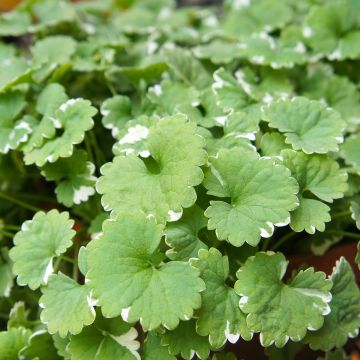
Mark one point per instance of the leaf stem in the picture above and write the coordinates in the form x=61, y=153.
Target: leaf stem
x=18, y=202
x=283, y=239
x=265, y=244
x=341, y=214
x=7, y=234
x=345, y=233
x=12, y=227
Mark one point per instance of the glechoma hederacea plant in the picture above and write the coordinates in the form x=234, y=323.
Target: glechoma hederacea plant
x=156, y=163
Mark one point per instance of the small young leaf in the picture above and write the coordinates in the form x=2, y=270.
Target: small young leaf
x=219, y=316
x=308, y=125
x=261, y=195
x=343, y=320
x=67, y=306
x=39, y=241
x=266, y=299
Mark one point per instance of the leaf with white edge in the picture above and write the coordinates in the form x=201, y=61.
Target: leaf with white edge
x=12, y=342
x=74, y=117
x=161, y=184
x=116, y=112
x=321, y=176
x=185, y=341
x=332, y=30
x=311, y=215
x=242, y=124
x=262, y=49
x=261, y=195
x=41, y=239
x=272, y=143
x=344, y=318
x=12, y=130
x=169, y=94
x=153, y=350
x=218, y=51
x=47, y=57
x=132, y=138
x=18, y=316
x=74, y=177
x=67, y=306
x=265, y=298
x=61, y=346
x=6, y=275
x=106, y=339
x=231, y=96
x=214, y=145
x=13, y=71
x=355, y=210
x=49, y=100
x=219, y=315
x=41, y=346
x=350, y=151
x=182, y=235
x=126, y=277
x=308, y=125
x=14, y=23
x=187, y=68
x=337, y=92
x=247, y=17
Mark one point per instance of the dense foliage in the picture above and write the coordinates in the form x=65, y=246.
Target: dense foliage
x=156, y=163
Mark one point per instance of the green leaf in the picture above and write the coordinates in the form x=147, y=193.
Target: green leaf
x=41, y=346
x=321, y=176
x=261, y=195
x=311, y=215
x=231, y=94
x=171, y=171
x=168, y=95
x=18, y=316
x=48, y=102
x=186, y=341
x=103, y=340
x=61, y=346
x=219, y=315
x=12, y=130
x=67, y=306
x=13, y=71
x=153, y=350
x=262, y=49
x=6, y=275
x=266, y=299
x=248, y=17
x=332, y=30
x=343, y=320
x=350, y=151
x=182, y=235
x=41, y=239
x=74, y=177
x=355, y=210
x=73, y=132
x=14, y=23
x=187, y=68
x=47, y=57
x=12, y=342
x=308, y=125
x=272, y=143
x=116, y=113
x=126, y=279
x=218, y=51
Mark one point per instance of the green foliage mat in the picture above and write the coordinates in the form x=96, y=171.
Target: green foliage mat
x=161, y=165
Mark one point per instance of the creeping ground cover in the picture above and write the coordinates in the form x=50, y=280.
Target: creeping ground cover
x=163, y=169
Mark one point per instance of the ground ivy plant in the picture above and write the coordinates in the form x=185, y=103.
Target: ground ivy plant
x=163, y=167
